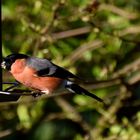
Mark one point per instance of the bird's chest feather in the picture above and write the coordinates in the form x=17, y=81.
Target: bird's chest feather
x=28, y=77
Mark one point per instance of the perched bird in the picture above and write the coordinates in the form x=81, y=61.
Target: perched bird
x=42, y=75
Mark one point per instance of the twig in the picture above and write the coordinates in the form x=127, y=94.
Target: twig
x=70, y=33
x=109, y=116
x=72, y=113
x=104, y=84
x=130, y=30
x=55, y=9
x=119, y=11
x=134, y=79
x=5, y=133
x=119, y=34
x=92, y=45
x=128, y=68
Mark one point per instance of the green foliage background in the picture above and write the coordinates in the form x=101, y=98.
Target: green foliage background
x=98, y=41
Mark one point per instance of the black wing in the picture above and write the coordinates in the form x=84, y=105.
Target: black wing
x=46, y=68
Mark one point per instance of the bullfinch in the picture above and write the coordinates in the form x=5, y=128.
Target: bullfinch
x=42, y=75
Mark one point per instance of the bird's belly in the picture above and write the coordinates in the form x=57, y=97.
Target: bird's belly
x=48, y=84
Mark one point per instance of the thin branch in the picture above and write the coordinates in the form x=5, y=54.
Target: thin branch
x=6, y=132
x=108, y=83
x=109, y=116
x=71, y=33
x=128, y=68
x=134, y=79
x=130, y=30
x=72, y=113
x=92, y=45
x=119, y=11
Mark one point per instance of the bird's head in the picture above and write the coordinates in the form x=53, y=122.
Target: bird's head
x=10, y=59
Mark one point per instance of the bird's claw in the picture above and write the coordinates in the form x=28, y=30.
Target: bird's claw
x=36, y=94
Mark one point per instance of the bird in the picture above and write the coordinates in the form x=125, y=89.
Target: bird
x=43, y=75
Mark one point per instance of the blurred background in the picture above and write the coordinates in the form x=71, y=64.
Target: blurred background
x=98, y=41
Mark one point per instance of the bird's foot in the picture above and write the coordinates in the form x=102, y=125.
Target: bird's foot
x=36, y=94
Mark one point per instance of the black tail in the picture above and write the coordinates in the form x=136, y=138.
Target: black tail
x=79, y=90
